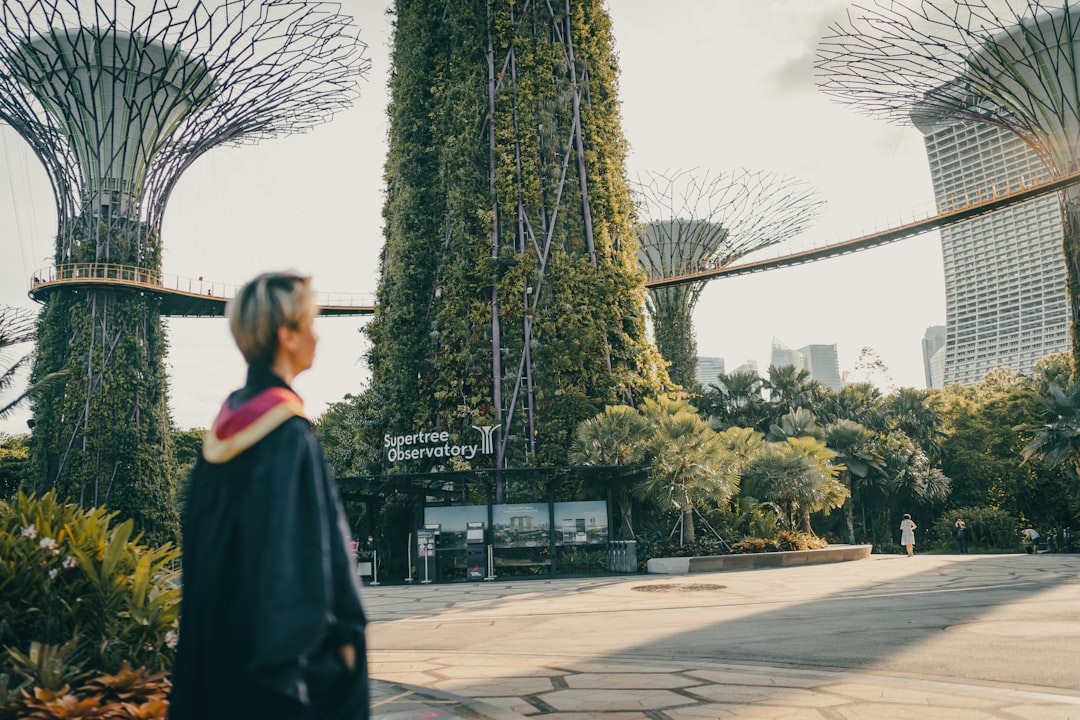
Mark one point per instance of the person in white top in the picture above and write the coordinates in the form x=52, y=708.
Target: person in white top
x=907, y=534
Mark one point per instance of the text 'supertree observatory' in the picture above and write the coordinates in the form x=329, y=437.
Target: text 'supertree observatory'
x=510, y=295
x=117, y=100
x=696, y=222
x=1011, y=63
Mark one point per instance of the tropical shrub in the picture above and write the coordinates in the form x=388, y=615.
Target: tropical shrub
x=989, y=530
x=79, y=596
x=785, y=540
x=128, y=694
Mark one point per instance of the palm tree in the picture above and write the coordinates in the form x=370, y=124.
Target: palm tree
x=691, y=465
x=790, y=387
x=798, y=475
x=617, y=436
x=736, y=400
x=858, y=402
x=909, y=476
x=856, y=457
x=17, y=328
x=917, y=414
x=1057, y=441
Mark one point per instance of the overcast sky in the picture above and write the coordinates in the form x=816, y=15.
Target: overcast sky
x=716, y=85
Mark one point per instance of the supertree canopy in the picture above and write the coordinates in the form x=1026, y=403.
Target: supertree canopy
x=117, y=100
x=510, y=294
x=697, y=222
x=1011, y=63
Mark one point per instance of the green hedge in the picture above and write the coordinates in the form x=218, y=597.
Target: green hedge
x=989, y=530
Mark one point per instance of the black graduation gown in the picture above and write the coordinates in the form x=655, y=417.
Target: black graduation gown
x=270, y=592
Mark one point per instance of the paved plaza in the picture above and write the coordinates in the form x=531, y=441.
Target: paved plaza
x=935, y=636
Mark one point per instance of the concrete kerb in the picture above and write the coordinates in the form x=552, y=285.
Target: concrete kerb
x=750, y=561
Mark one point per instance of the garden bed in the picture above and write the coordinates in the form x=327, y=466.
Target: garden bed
x=751, y=561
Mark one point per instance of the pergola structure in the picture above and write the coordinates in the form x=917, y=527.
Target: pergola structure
x=693, y=223
x=117, y=101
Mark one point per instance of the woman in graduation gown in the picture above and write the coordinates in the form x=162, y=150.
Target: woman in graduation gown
x=271, y=625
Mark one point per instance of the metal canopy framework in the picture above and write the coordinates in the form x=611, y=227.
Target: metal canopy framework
x=1010, y=63
x=693, y=223
x=117, y=100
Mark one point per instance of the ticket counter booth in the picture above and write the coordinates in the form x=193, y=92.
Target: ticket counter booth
x=551, y=521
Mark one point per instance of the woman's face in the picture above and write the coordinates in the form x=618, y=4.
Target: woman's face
x=306, y=339
x=298, y=344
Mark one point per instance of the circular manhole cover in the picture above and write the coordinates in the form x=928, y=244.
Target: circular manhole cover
x=679, y=587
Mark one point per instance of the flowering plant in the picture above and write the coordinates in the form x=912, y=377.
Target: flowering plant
x=80, y=591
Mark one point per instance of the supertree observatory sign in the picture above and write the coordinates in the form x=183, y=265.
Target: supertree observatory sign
x=437, y=445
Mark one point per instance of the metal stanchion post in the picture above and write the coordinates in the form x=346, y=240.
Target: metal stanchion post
x=408, y=560
x=490, y=564
x=426, y=579
x=374, y=567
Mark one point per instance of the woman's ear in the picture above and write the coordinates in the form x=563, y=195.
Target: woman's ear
x=286, y=339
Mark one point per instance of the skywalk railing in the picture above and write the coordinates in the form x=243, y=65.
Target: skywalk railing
x=131, y=276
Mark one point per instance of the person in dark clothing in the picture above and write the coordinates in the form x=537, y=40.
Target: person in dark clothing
x=961, y=536
x=271, y=624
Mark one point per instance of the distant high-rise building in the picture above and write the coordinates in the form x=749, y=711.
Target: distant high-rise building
x=933, y=355
x=708, y=368
x=823, y=364
x=749, y=365
x=1005, y=296
x=782, y=356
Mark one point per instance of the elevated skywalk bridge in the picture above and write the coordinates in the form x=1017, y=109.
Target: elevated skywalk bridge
x=957, y=210
x=180, y=297
x=188, y=297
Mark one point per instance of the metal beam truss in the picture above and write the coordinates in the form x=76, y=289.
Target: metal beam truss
x=117, y=100
x=519, y=227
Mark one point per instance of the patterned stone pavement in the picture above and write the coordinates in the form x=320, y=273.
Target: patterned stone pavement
x=568, y=689
x=601, y=649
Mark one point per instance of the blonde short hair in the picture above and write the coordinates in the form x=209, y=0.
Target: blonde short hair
x=270, y=301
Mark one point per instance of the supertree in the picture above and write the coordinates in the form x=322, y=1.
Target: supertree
x=697, y=222
x=1010, y=63
x=117, y=100
x=510, y=294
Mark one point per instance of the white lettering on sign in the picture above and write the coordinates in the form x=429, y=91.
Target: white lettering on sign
x=432, y=445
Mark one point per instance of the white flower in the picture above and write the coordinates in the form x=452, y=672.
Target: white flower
x=171, y=639
x=30, y=531
x=53, y=573
x=48, y=543
x=70, y=562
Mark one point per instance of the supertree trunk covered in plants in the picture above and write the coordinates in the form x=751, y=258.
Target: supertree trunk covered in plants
x=697, y=222
x=1010, y=63
x=510, y=294
x=117, y=103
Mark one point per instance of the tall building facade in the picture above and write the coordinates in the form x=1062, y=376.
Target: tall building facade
x=823, y=364
x=933, y=355
x=708, y=369
x=1005, y=296
x=821, y=360
x=781, y=355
